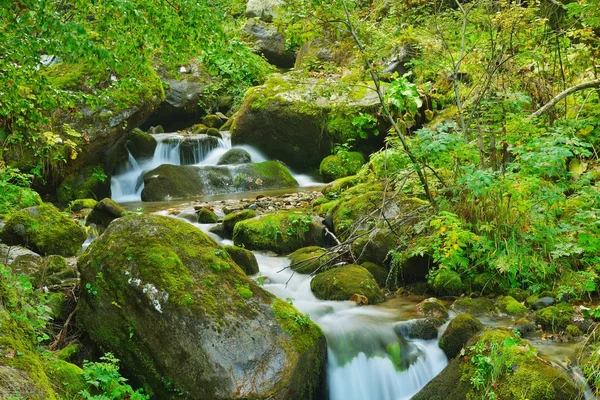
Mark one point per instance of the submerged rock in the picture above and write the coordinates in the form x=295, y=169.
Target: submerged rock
x=44, y=230
x=185, y=320
x=341, y=283
x=181, y=181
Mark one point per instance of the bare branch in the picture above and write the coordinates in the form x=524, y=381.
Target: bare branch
x=563, y=94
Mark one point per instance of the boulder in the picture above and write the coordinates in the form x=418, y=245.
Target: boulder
x=424, y=328
x=379, y=273
x=462, y=328
x=181, y=181
x=269, y=42
x=212, y=121
x=527, y=376
x=90, y=182
x=244, y=258
x=543, y=302
x=309, y=260
x=341, y=283
x=432, y=307
x=282, y=232
x=474, y=306
x=81, y=204
x=447, y=283
x=141, y=145
x=508, y=305
x=374, y=247
x=236, y=216
x=44, y=230
x=235, y=156
x=554, y=318
x=184, y=319
x=266, y=10
x=206, y=216
x=325, y=50
x=104, y=212
x=292, y=119
x=340, y=165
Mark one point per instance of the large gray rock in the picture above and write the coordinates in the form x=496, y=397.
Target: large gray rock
x=269, y=42
x=187, y=323
x=266, y=10
x=181, y=181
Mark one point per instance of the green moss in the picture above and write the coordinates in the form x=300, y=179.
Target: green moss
x=508, y=305
x=212, y=121
x=573, y=330
x=458, y=333
x=275, y=171
x=206, y=216
x=519, y=294
x=394, y=350
x=447, y=283
x=44, y=230
x=244, y=292
x=554, y=318
x=80, y=204
x=530, y=301
x=233, y=218
x=307, y=260
x=69, y=352
x=342, y=283
x=282, y=232
x=67, y=379
x=89, y=182
x=56, y=302
x=244, y=258
x=477, y=306
x=341, y=165
x=14, y=198
x=140, y=144
x=379, y=273
x=305, y=333
x=74, y=76
x=105, y=212
x=486, y=284
x=335, y=188
x=199, y=129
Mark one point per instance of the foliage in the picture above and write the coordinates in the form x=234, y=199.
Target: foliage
x=106, y=378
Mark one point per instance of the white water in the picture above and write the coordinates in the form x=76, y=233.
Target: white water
x=359, y=367
x=126, y=186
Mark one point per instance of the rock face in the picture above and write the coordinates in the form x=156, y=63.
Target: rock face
x=269, y=42
x=341, y=283
x=176, y=181
x=44, y=230
x=528, y=375
x=292, y=118
x=235, y=156
x=282, y=232
x=184, y=319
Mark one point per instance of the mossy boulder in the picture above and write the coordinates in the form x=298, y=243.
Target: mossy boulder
x=212, y=121
x=184, y=319
x=214, y=132
x=182, y=181
x=236, y=216
x=459, y=331
x=14, y=198
x=235, y=156
x=528, y=376
x=67, y=379
x=90, y=182
x=244, y=258
x=206, y=216
x=554, y=318
x=140, y=144
x=341, y=283
x=375, y=246
x=105, y=212
x=81, y=204
x=341, y=165
x=309, y=260
x=282, y=232
x=508, y=305
x=379, y=273
x=474, y=306
x=447, y=283
x=432, y=307
x=266, y=40
x=44, y=230
x=291, y=118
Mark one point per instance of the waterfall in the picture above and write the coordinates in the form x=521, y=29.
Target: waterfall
x=178, y=149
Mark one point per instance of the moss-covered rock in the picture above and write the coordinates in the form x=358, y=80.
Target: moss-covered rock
x=206, y=216
x=486, y=284
x=179, y=313
x=508, y=305
x=459, y=331
x=235, y=156
x=432, y=307
x=81, y=204
x=341, y=165
x=90, y=182
x=379, y=273
x=105, y=212
x=447, y=283
x=67, y=379
x=212, y=121
x=342, y=283
x=44, y=230
x=311, y=259
x=282, y=232
x=244, y=258
x=181, y=181
x=519, y=294
x=474, y=306
x=14, y=198
x=415, y=269
x=236, y=216
x=140, y=144
x=375, y=246
x=554, y=318
x=424, y=328
x=528, y=376
x=214, y=132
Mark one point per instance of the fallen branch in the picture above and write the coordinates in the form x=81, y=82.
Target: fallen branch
x=563, y=94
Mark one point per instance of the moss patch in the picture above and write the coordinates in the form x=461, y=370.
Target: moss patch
x=341, y=165
x=458, y=333
x=14, y=198
x=554, y=318
x=508, y=305
x=342, y=282
x=234, y=217
x=305, y=333
x=307, y=260
x=244, y=258
x=447, y=283
x=206, y=216
x=477, y=306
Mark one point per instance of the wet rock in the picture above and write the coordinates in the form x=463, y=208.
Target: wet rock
x=212, y=121
x=359, y=299
x=219, y=230
x=309, y=260
x=525, y=327
x=554, y=318
x=432, y=307
x=425, y=329
x=104, y=212
x=543, y=303
x=235, y=156
x=459, y=331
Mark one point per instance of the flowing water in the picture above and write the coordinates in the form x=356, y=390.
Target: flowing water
x=176, y=149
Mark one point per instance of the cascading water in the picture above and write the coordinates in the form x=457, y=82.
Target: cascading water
x=177, y=149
